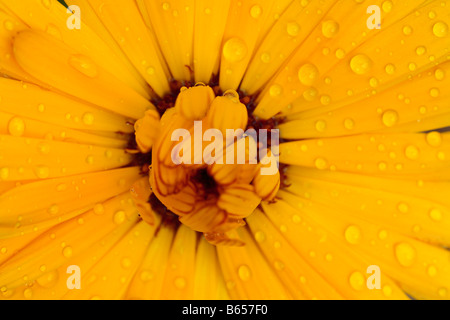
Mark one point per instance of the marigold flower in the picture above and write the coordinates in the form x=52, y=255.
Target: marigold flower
x=359, y=103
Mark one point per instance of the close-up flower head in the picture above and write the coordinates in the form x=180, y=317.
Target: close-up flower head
x=224, y=150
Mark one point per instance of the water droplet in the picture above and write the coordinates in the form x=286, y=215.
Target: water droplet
x=330, y=28
x=125, y=263
x=42, y=172
x=390, y=118
x=321, y=163
x=88, y=118
x=357, y=281
x=405, y=254
x=321, y=125
x=387, y=291
x=166, y=6
x=432, y=271
x=4, y=173
x=244, y=273
x=46, y=3
x=54, y=209
x=293, y=28
x=308, y=74
x=119, y=217
x=387, y=6
x=296, y=219
x=275, y=90
x=442, y=292
x=234, y=50
x=48, y=280
x=360, y=64
x=16, y=127
x=28, y=293
x=382, y=166
x=349, y=124
x=403, y=207
x=420, y=51
x=278, y=265
x=265, y=57
x=67, y=252
x=382, y=235
x=340, y=53
x=90, y=159
x=255, y=11
x=440, y=29
x=390, y=69
x=439, y=74
x=180, y=283
x=353, y=234
x=8, y=25
x=407, y=30
x=412, y=152
x=84, y=65
x=260, y=236
x=310, y=94
x=435, y=214
x=434, y=92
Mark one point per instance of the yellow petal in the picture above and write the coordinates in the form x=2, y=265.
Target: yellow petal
x=68, y=240
x=124, y=23
x=409, y=156
x=52, y=18
x=77, y=74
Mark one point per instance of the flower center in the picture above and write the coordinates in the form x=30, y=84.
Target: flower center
x=212, y=162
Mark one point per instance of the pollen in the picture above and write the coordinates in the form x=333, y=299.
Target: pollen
x=210, y=167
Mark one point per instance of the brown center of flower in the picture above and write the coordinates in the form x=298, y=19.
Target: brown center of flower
x=212, y=162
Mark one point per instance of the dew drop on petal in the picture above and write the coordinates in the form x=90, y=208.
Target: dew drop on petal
x=321, y=163
x=321, y=125
x=88, y=118
x=390, y=118
x=405, y=254
x=360, y=64
x=16, y=127
x=387, y=6
x=244, y=273
x=440, y=29
x=330, y=28
x=435, y=214
x=293, y=28
x=255, y=11
x=99, y=209
x=42, y=172
x=119, y=217
x=357, y=281
x=275, y=90
x=260, y=236
x=432, y=271
x=403, y=207
x=439, y=74
x=442, y=292
x=412, y=152
x=83, y=65
x=234, y=50
x=353, y=234
x=387, y=291
x=180, y=283
x=307, y=74
x=67, y=252
x=434, y=139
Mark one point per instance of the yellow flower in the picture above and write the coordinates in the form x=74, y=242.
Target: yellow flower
x=87, y=180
